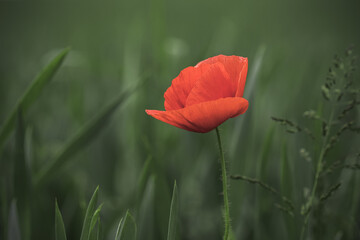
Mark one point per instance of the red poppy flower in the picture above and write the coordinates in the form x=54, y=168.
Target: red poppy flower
x=203, y=97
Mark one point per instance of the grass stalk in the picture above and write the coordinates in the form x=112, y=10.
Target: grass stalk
x=317, y=174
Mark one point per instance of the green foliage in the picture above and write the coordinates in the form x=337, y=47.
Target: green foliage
x=13, y=230
x=341, y=101
x=32, y=93
x=60, y=233
x=80, y=139
x=173, y=218
x=91, y=215
x=59, y=143
x=147, y=212
x=127, y=228
x=22, y=180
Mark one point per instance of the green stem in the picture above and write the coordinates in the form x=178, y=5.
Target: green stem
x=317, y=174
x=225, y=187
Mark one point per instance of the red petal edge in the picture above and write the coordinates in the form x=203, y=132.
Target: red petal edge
x=176, y=95
x=203, y=117
x=236, y=67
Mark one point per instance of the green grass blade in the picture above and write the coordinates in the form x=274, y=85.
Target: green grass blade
x=32, y=93
x=173, y=218
x=147, y=211
x=260, y=173
x=60, y=233
x=286, y=174
x=145, y=172
x=3, y=207
x=81, y=138
x=248, y=94
x=13, y=223
x=126, y=228
x=89, y=215
x=117, y=236
x=286, y=189
x=93, y=233
x=99, y=230
x=22, y=181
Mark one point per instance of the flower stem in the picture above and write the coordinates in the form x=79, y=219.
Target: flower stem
x=225, y=187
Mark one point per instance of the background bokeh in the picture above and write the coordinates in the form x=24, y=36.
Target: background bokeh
x=116, y=46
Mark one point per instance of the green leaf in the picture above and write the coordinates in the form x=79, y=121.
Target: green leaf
x=32, y=93
x=127, y=228
x=60, y=233
x=173, y=218
x=81, y=139
x=89, y=215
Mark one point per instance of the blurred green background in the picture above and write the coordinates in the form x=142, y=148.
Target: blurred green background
x=116, y=46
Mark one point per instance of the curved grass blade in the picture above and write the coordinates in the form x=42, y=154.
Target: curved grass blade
x=32, y=93
x=85, y=233
x=60, y=233
x=173, y=218
x=93, y=233
x=81, y=138
x=117, y=236
x=127, y=228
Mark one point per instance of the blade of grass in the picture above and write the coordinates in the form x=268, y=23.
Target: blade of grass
x=81, y=138
x=88, y=216
x=127, y=228
x=32, y=93
x=260, y=172
x=146, y=213
x=162, y=204
x=355, y=203
x=93, y=233
x=173, y=218
x=145, y=172
x=95, y=230
x=3, y=207
x=286, y=173
x=22, y=181
x=286, y=189
x=117, y=236
x=60, y=233
x=13, y=223
x=248, y=94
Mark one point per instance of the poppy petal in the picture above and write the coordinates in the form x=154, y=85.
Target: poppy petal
x=236, y=67
x=202, y=117
x=213, y=84
x=176, y=95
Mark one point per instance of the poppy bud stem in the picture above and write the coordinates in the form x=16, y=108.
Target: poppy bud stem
x=225, y=187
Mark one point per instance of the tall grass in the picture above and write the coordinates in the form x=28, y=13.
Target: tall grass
x=81, y=123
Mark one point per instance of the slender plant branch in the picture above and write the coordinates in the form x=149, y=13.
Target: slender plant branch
x=225, y=187
x=319, y=169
